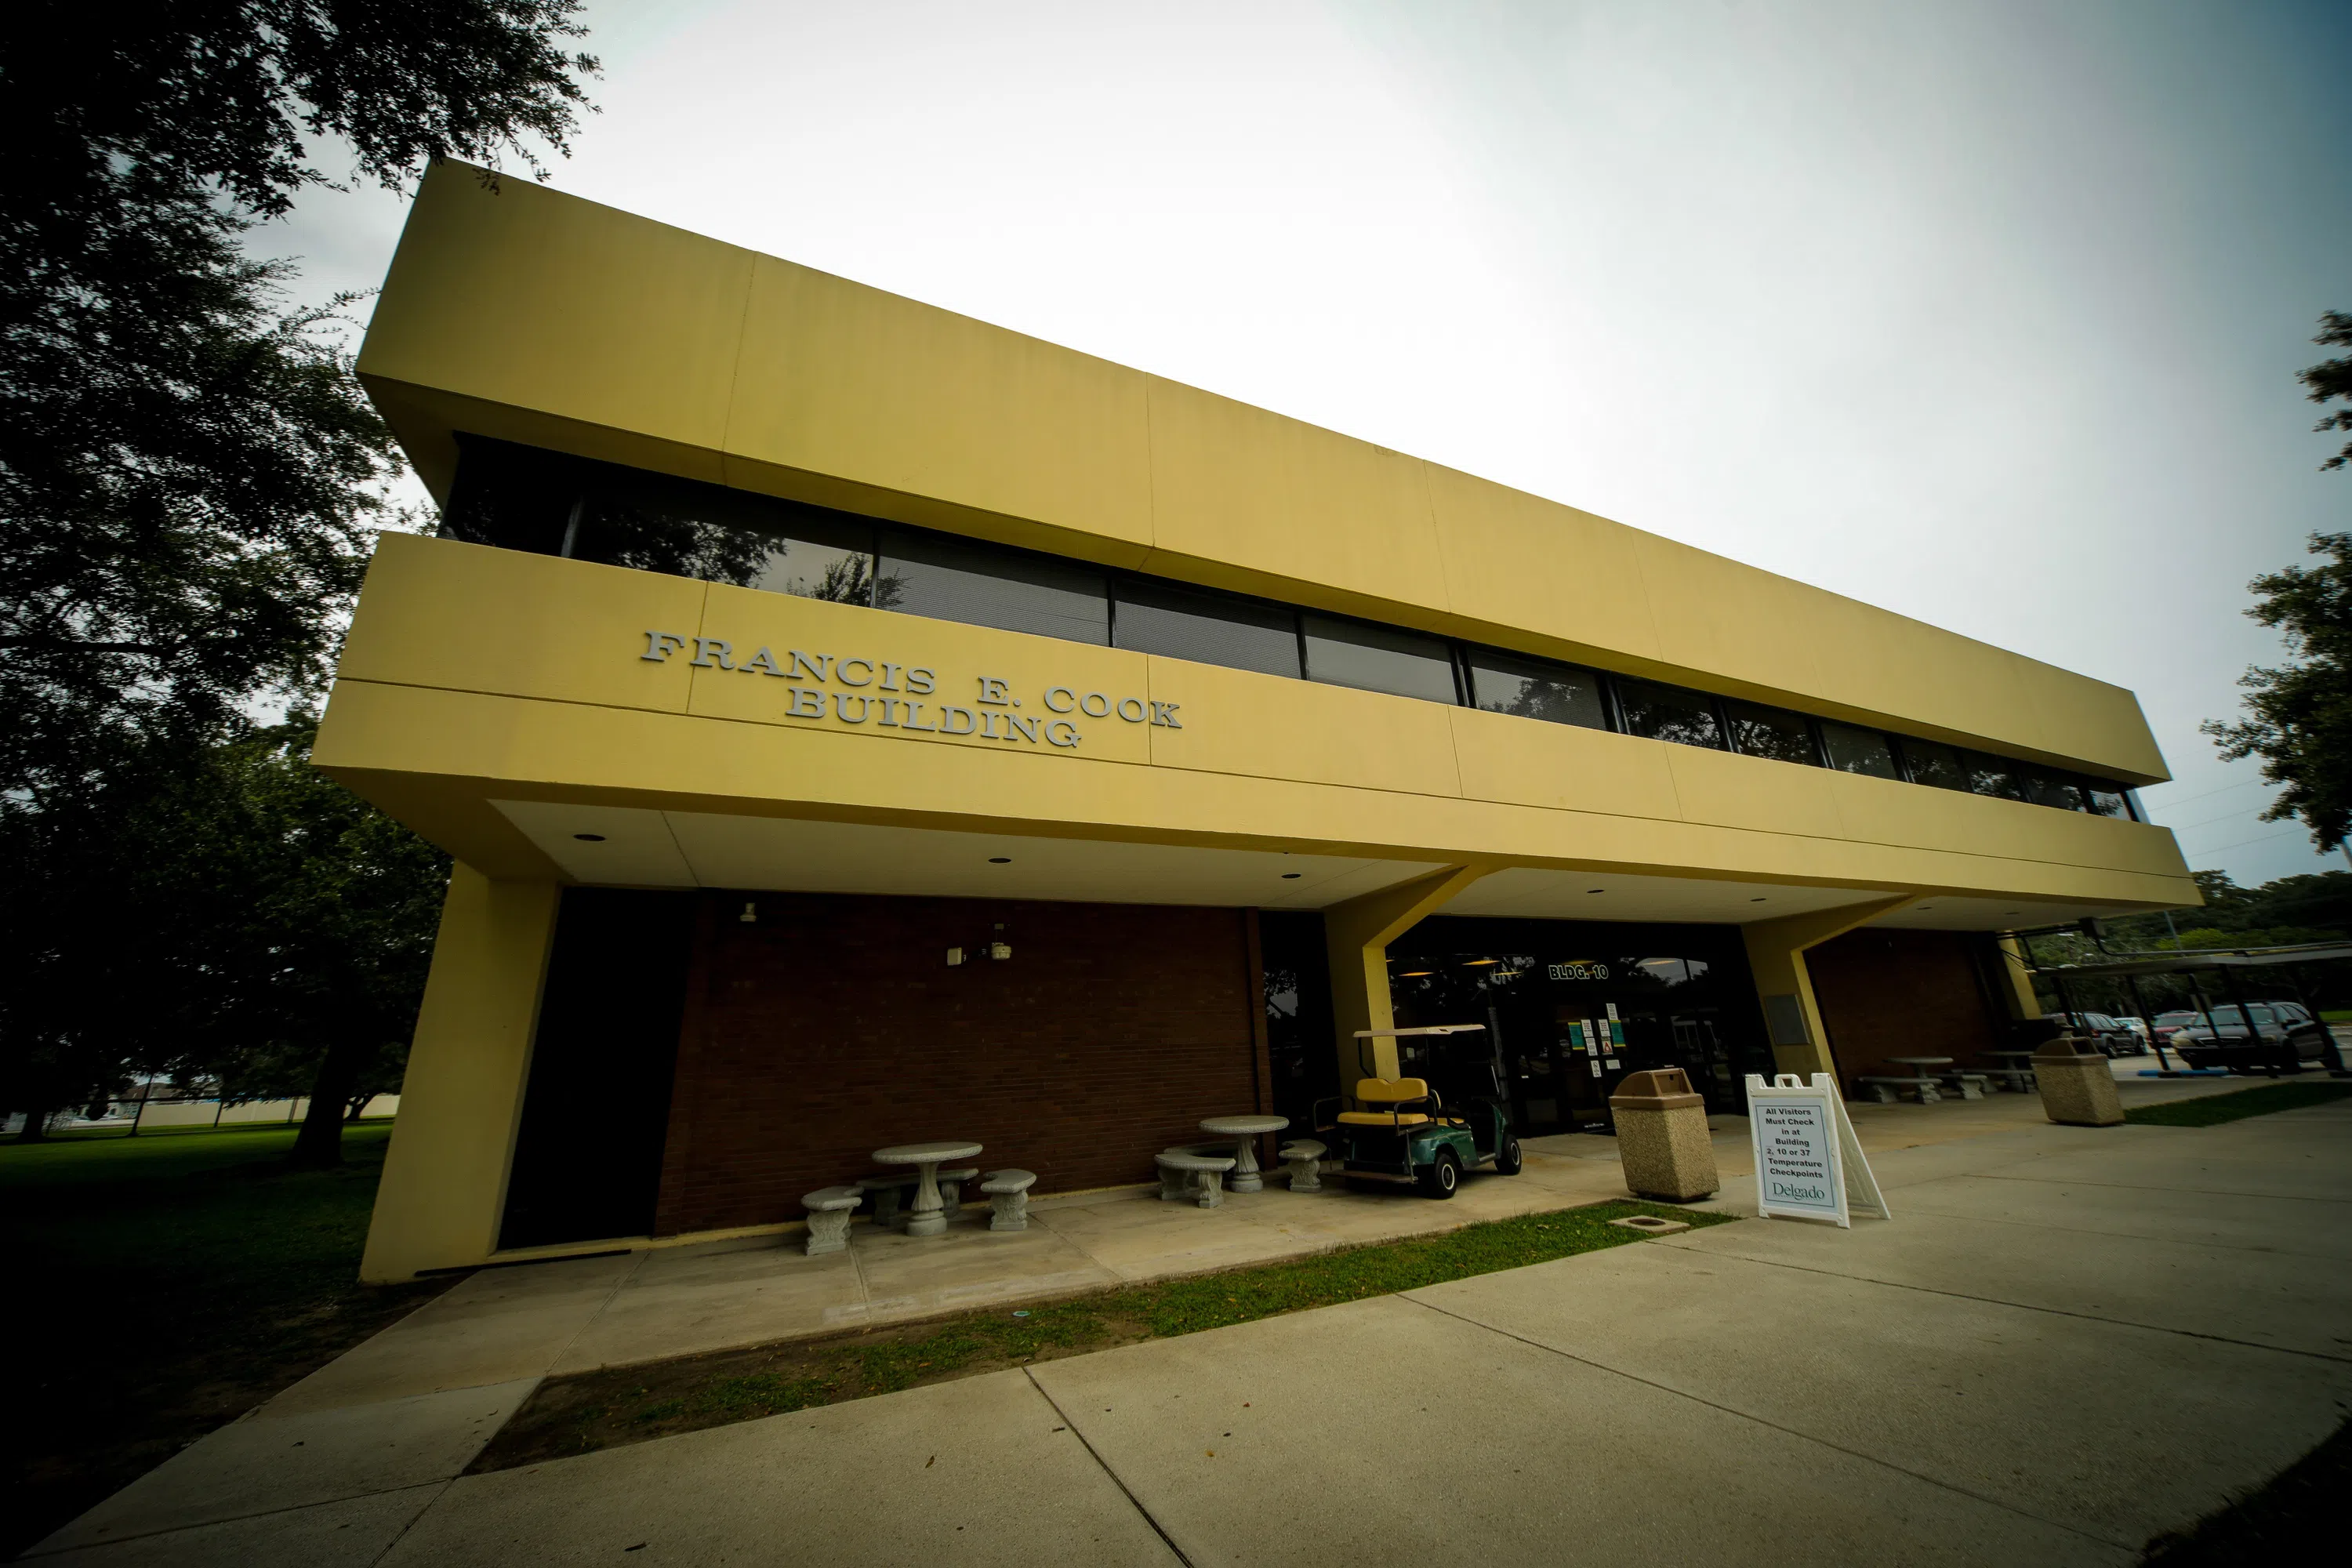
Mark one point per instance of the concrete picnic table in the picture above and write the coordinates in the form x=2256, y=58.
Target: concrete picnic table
x=929, y=1217
x=1244, y=1131
x=2014, y=1069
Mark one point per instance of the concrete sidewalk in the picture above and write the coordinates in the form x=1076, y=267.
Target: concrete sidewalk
x=2067, y=1339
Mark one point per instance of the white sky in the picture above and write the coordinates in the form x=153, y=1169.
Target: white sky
x=1988, y=313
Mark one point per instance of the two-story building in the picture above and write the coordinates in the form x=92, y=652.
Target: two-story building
x=854, y=724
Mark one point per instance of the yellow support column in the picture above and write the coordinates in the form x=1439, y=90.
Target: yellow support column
x=1776, y=957
x=2018, y=990
x=1356, y=936
x=445, y=1176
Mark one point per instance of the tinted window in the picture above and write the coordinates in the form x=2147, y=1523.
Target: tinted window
x=1374, y=659
x=1152, y=619
x=1932, y=763
x=2043, y=787
x=1855, y=749
x=2107, y=801
x=950, y=581
x=1991, y=775
x=1760, y=731
x=1559, y=692
x=1669, y=713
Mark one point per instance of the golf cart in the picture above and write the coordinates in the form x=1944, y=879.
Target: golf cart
x=1407, y=1133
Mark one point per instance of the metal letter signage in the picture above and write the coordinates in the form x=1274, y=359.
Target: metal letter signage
x=801, y=700
x=1807, y=1156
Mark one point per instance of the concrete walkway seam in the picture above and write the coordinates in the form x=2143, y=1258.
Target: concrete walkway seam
x=2022, y=1306
x=1874, y=1459
x=1116, y=1480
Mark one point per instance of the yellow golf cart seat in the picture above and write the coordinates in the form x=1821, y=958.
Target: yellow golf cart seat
x=1395, y=1093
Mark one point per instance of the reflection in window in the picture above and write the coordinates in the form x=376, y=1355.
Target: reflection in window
x=1669, y=713
x=1760, y=731
x=2040, y=786
x=1376, y=659
x=1855, y=749
x=1529, y=688
x=2108, y=802
x=1230, y=632
x=1933, y=763
x=951, y=581
x=1991, y=775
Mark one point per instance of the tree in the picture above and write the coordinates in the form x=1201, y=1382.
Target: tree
x=189, y=475
x=2299, y=716
x=2331, y=379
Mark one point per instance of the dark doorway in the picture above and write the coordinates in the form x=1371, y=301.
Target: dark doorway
x=1298, y=1012
x=588, y=1156
x=1574, y=1006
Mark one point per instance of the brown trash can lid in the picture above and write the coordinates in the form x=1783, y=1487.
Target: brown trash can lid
x=2065, y=1047
x=1660, y=1088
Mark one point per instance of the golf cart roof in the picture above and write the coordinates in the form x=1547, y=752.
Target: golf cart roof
x=1424, y=1029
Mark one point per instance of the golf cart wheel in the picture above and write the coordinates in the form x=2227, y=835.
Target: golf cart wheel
x=1508, y=1159
x=1444, y=1175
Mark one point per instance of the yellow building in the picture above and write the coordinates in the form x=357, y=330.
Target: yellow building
x=857, y=724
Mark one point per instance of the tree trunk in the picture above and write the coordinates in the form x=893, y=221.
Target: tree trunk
x=36, y=1126
x=320, y=1145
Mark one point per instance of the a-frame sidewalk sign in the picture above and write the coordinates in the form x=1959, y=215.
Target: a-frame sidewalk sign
x=1808, y=1164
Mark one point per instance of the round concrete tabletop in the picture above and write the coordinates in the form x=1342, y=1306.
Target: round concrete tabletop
x=1923, y=1061
x=925, y=1154
x=1243, y=1126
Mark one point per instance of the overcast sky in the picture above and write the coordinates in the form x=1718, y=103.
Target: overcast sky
x=1988, y=313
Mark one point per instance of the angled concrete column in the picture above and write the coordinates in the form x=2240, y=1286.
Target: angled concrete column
x=2017, y=992
x=1776, y=957
x=445, y=1176
x=1356, y=936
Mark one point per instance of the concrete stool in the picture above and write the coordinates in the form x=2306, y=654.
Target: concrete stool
x=951, y=1189
x=828, y=1222
x=890, y=1194
x=1304, y=1157
x=1008, y=1195
x=1199, y=1176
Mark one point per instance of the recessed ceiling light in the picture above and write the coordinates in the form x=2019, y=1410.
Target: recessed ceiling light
x=1755, y=900
x=1595, y=889
x=589, y=838
x=1000, y=859
x=1292, y=876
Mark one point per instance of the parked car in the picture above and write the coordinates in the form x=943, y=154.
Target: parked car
x=2110, y=1034
x=2259, y=1037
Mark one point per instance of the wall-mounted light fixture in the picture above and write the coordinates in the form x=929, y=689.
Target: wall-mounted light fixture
x=955, y=957
x=751, y=915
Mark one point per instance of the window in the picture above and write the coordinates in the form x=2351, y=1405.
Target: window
x=1760, y=731
x=1854, y=750
x=2040, y=786
x=1532, y=689
x=1933, y=763
x=1992, y=776
x=1669, y=713
x=1210, y=630
x=1376, y=659
x=951, y=581
x=2106, y=800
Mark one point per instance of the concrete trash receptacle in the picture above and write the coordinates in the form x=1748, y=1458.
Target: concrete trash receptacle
x=1662, y=1136
x=2078, y=1087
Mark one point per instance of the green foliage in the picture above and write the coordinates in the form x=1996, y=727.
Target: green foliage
x=2331, y=379
x=2216, y=1110
x=2299, y=716
x=190, y=478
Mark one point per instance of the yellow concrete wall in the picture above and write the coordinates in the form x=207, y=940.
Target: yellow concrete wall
x=445, y=1175
x=519, y=312
x=474, y=673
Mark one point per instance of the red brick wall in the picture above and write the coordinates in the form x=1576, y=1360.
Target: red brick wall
x=834, y=1026
x=1901, y=993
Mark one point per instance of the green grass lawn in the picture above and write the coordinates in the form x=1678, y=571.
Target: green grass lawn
x=2218, y=1109
x=630, y=1404
x=166, y=1284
